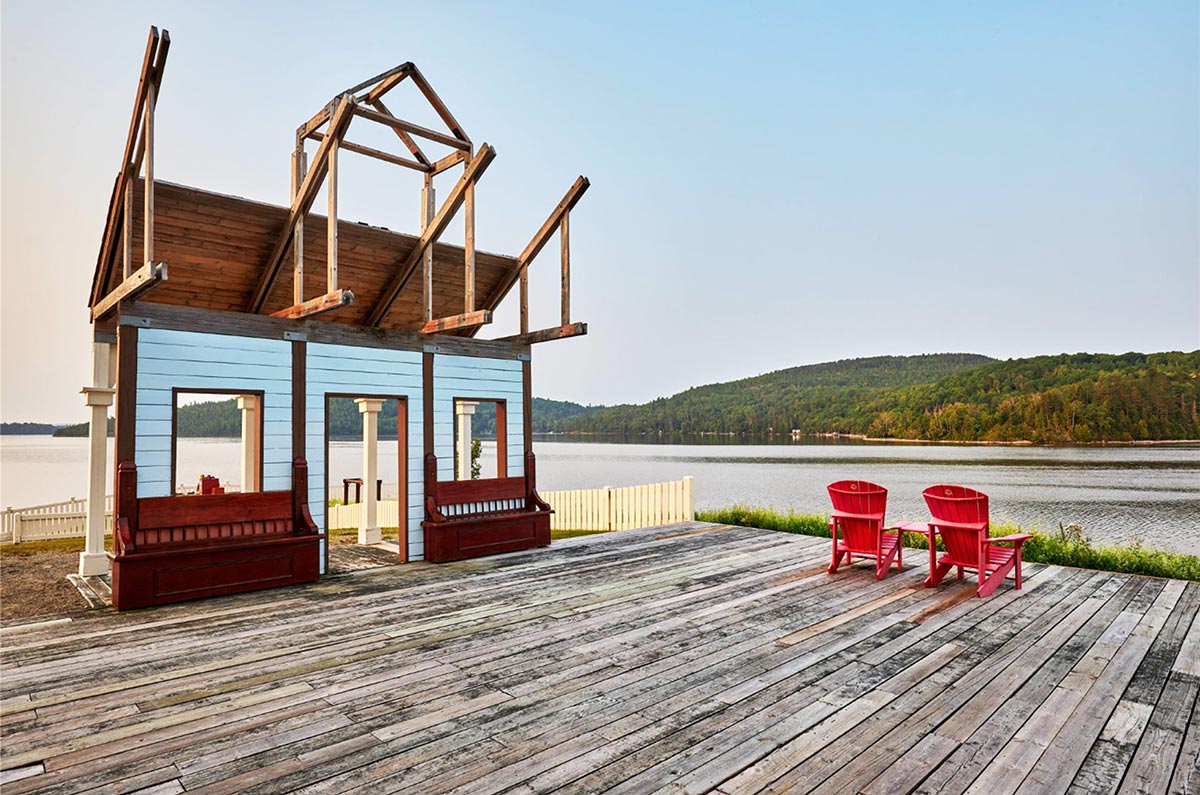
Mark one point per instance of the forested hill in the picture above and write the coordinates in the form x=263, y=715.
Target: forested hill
x=810, y=397
x=943, y=397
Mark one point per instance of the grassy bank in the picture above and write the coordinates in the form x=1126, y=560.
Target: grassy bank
x=1063, y=547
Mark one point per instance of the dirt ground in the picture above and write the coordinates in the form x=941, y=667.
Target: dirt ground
x=33, y=576
x=33, y=580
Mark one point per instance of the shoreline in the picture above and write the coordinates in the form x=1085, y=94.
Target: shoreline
x=877, y=439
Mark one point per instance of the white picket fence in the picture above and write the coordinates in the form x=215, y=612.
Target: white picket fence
x=67, y=519
x=624, y=508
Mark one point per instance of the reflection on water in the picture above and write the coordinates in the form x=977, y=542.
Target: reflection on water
x=1116, y=493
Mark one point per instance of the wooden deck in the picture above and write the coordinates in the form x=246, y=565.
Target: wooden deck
x=685, y=659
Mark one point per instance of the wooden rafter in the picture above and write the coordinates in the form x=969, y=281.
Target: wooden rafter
x=390, y=74
x=438, y=106
x=378, y=154
x=548, y=334
x=539, y=241
x=149, y=275
x=404, y=137
x=449, y=161
x=387, y=82
x=409, y=127
x=432, y=232
x=160, y=61
x=316, y=122
x=319, y=305
x=467, y=320
x=153, y=65
x=302, y=202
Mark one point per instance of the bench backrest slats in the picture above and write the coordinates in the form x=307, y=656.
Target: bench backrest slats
x=195, y=518
x=213, y=509
x=479, y=492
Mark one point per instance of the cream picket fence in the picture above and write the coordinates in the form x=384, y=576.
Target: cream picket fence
x=67, y=519
x=625, y=508
x=605, y=509
x=346, y=517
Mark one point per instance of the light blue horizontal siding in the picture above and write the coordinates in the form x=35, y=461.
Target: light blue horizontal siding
x=188, y=360
x=476, y=377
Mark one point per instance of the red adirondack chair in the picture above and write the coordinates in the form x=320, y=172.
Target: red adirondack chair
x=857, y=526
x=960, y=516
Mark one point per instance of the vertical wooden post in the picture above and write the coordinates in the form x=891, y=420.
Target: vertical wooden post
x=148, y=220
x=427, y=212
x=125, y=438
x=564, y=233
x=331, y=275
x=527, y=407
x=402, y=479
x=501, y=439
x=299, y=169
x=431, y=473
x=127, y=234
x=525, y=299
x=469, y=249
x=299, y=397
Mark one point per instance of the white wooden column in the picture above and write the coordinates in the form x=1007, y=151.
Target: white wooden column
x=464, y=410
x=251, y=443
x=98, y=397
x=368, y=527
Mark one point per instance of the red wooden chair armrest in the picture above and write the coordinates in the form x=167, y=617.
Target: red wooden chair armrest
x=939, y=523
x=844, y=515
x=1016, y=538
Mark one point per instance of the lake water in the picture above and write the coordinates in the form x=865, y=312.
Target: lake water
x=1118, y=494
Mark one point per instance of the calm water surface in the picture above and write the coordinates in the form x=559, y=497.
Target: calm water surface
x=1118, y=494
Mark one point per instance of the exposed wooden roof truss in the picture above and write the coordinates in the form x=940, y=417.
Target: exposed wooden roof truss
x=423, y=150
x=139, y=153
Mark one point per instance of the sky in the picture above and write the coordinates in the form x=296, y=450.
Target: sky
x=772, y=184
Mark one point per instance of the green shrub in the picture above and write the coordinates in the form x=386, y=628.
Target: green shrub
x=1066, y=546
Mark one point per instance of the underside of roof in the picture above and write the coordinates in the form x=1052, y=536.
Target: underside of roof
x=216, y=244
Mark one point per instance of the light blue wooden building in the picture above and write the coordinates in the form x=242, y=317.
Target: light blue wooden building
x=196, y=292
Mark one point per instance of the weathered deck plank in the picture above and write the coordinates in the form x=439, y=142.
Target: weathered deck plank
x=683, y=660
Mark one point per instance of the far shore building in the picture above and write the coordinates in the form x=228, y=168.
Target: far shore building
x=196, y=291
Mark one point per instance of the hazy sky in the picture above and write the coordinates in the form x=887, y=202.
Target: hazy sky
x=772, y=184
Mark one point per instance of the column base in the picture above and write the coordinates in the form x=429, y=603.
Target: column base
x=369, y=535
x=93, y=564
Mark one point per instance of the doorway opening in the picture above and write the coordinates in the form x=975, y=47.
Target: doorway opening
x=366, y=474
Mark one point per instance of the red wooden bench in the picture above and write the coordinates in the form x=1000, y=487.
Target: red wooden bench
x=169, y=549
x=472, y=518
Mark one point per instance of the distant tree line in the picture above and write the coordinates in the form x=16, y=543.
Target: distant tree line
x=26, y=429
x=1069, y=398
x=221, y=418
x=948, y=397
